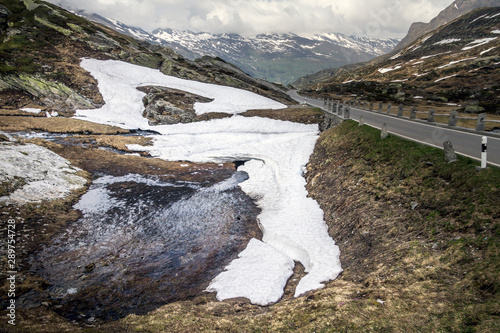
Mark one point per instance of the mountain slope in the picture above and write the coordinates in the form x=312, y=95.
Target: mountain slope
x=41, y=49
x=459, y=62
x=277, y=57
x=450, y=13
x=274, y=57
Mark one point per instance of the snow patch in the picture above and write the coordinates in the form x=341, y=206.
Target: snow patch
x=446, y=77
x=492, y=16
x=385, y=70
x=263, y=277
x=276, y=153
x=434, y=55
x=31, y=110
x=488, y=50
x=117, y=82
x=448, y=41
x=478, y=42
x=46, y=175
x=456, y=62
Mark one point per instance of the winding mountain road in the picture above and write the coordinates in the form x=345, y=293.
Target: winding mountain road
x=465, y=143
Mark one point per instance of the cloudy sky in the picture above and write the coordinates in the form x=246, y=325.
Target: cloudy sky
x=373, y=18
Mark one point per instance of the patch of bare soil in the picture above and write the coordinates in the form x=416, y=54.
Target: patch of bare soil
x=296, y=114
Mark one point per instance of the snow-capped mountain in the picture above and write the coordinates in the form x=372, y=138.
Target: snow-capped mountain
x=275, y=57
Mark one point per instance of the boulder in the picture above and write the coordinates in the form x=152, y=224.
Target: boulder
x=475, y=109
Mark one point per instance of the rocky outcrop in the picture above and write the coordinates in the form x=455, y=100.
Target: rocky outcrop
x=455, y=10
x=164, y=106
x=56, y=94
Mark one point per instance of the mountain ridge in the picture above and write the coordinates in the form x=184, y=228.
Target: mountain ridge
x=458, y=62
x=282, y=57
x=450, y=13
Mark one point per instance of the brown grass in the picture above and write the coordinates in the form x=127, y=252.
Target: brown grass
x=56, y=125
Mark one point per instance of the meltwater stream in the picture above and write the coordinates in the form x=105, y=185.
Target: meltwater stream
x=143, y=242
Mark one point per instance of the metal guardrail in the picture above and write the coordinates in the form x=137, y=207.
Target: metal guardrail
x=340, y=109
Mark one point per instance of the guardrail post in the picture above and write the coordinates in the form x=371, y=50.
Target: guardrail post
x=401, y=109
x=430, y=118
x=361, y=121
x=338, y=108
x=380, y=107
x=413, y=113
x=341, y=109
x=453, y=119
x=371, y=106
x=449, y=152
x=384, y=134
x=347, y=113
x=324, y=102
x=389, y=108
x=480, y=125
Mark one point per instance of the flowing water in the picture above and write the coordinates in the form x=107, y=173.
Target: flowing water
x=143, y=242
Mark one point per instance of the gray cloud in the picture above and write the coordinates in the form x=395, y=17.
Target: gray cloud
x=373, y=18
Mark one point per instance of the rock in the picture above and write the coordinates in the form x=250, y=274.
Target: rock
x=439, y=99
x=449, y=152
x=53, y=93
x=164, y=106
x=413, y=205
x=476, y=109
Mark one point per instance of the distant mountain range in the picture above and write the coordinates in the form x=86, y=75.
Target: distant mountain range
x=279, y=58
x=458, y=62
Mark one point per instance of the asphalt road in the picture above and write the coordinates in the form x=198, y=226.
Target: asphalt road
x=464, y=143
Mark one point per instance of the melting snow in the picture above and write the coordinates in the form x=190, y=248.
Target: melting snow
x=31, y=110
x=118, y=82
x=456, y=62
x=277, y=152
x=488, y=50
x=478, y=42
x=480, y=17
x=434, y=55
x=385, y=70
x=448, y=41
x=492, y=16
x=446, y=77
x=495, y=32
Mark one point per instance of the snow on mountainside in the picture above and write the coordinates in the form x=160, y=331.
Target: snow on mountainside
x=275, y=57
x=458, y=62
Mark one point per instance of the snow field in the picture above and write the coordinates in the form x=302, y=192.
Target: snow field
x=276, y=153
